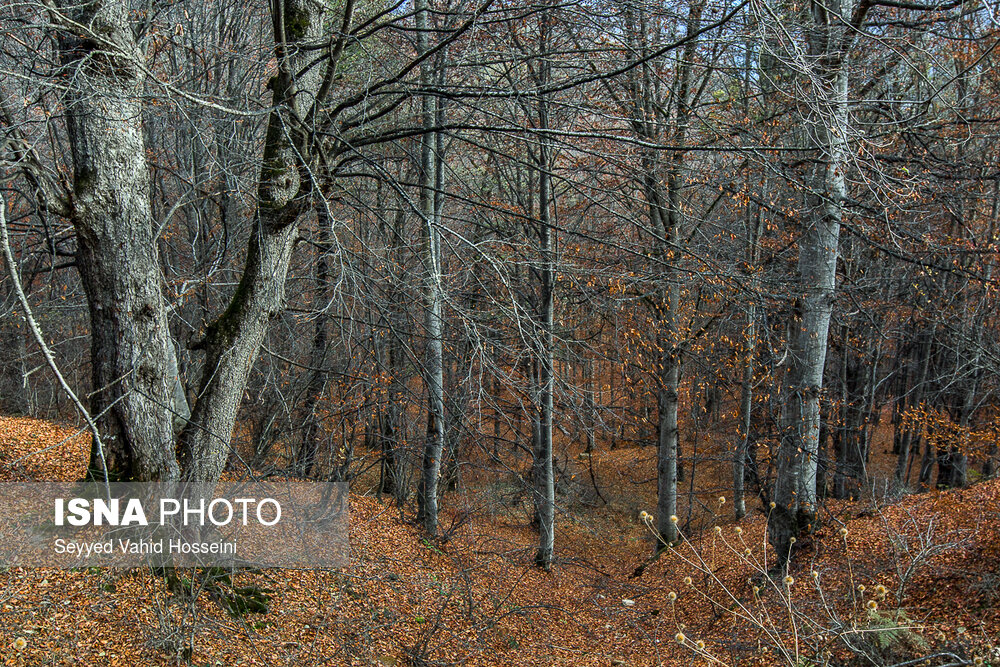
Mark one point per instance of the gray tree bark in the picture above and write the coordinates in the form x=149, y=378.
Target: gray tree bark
x=670, y=358
x=427, y=497
x=233, y=341
x=746, y=382
x=544, y=477
x=829, y=36
x=135, y=390
x=116, y=248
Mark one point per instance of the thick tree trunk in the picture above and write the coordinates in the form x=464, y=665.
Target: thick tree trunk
x=795, y=485
x=116, y=248
x=233, y=341
x=135, y=389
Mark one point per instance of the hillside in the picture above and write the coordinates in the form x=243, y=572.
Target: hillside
x=477, y=600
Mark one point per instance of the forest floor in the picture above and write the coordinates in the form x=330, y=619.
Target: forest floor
x=913, y=577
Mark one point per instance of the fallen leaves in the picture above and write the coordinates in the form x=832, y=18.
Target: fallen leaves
x=477, y=599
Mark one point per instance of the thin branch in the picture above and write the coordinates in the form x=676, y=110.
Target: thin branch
x=40, y=339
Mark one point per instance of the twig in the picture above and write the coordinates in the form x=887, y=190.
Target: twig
x=40, y=339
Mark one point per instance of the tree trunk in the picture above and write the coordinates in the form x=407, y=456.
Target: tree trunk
x=824, y=465
x=670, y=216
x=233, y=341
x=14, y=391
x=743, y=435
x=116, y=247
x=427, y=497
x=312, y=432
x=545, y=478
x=391, y=465
x=910, y=442
x=795, y=485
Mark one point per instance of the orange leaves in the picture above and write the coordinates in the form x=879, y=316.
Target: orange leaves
x=938, y=427
x=32, y=449
x=477, y=600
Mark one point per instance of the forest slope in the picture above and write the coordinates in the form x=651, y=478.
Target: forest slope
x=477, y=600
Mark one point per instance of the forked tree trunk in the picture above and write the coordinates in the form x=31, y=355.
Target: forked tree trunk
x=233, y=341
x=116, y=244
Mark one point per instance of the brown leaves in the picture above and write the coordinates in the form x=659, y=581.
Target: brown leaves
x=36, y=450
x=477, y=600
